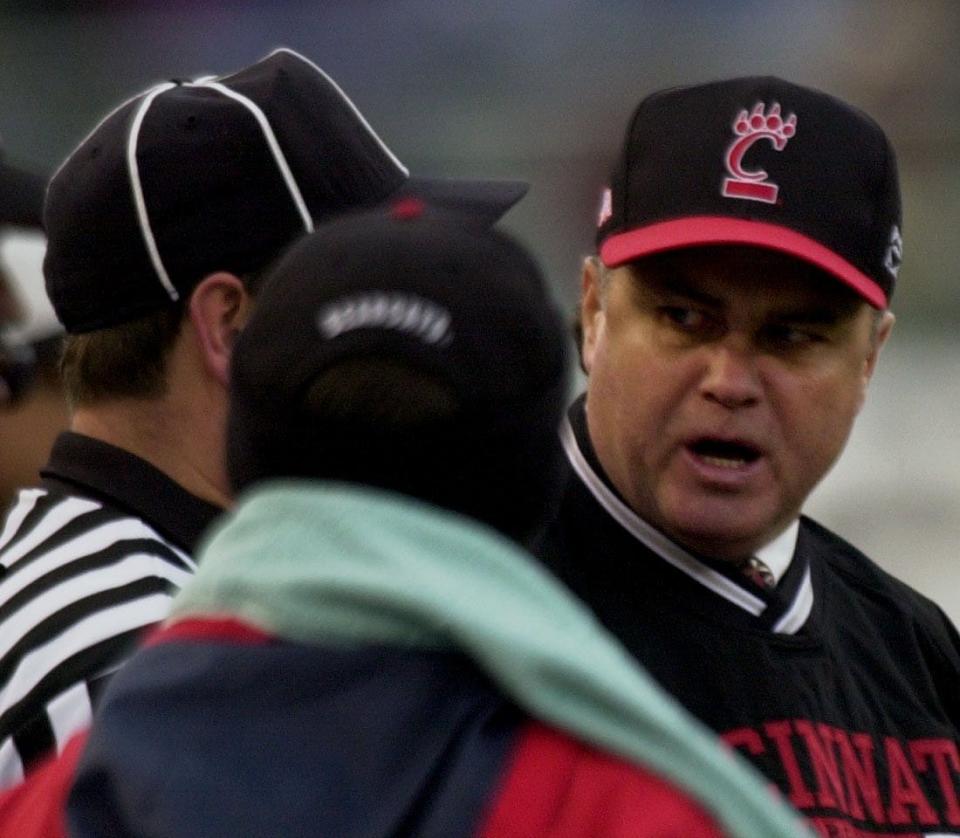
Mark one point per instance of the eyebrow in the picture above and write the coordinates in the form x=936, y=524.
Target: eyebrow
x=664, y=281
x=819, y=316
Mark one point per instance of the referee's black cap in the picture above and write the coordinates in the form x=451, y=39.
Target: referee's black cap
x=763, y=162
x=431, y=290
x=192, y=177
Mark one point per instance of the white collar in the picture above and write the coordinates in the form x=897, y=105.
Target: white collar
x=779, y=551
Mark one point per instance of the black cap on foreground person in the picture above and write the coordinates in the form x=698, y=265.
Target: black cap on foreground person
x=466, y=308
x=366, y=649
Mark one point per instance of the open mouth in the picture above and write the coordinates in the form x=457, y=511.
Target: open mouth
x=724, y=453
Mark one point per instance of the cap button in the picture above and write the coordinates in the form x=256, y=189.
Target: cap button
x=407, y=208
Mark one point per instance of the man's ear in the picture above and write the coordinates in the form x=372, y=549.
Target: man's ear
x=883, y=329
x=218, y=309
x=591, y=311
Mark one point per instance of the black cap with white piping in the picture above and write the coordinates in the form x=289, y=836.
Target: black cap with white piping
x=217, y=174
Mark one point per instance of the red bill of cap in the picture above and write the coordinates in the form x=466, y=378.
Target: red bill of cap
x=624, y=247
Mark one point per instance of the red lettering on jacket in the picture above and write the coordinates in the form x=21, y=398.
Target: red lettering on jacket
x=822, y=760
x=868, y=781
x=943, y=754
x=860, y=773
x=837, y=828
x=746, y=738
x=799, y=794
x=905, y=789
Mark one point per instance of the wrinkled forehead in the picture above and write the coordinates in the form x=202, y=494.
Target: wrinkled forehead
x=738, y=276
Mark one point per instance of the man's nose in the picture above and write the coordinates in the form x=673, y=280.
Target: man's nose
x=731, y=377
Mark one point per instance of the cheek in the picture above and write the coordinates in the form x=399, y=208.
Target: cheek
x=815, y=418
x=632, y=400
x=609, y=389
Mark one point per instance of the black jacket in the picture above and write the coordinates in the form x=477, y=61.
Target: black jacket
x=853, y=711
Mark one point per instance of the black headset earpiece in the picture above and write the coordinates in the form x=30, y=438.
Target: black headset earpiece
x=18, y=363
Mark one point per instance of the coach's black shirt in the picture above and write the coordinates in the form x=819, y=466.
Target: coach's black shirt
x=842, y=686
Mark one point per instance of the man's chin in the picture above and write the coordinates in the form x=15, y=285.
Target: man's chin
x=725, y=534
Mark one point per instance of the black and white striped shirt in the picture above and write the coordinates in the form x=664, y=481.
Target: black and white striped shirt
x=88, y=561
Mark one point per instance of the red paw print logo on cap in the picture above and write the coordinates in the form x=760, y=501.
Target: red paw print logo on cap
x=758, y=124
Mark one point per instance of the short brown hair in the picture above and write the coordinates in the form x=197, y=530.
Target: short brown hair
x=128, y=360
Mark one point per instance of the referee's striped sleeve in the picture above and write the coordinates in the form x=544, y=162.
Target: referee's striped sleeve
x=80, y=583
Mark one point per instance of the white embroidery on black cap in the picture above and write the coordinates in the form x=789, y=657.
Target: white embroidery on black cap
x=606, y=207
x=399, y=312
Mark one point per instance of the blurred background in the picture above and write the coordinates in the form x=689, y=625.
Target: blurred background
x=541, y=90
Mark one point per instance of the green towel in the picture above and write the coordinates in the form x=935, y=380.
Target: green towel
x=334, y=564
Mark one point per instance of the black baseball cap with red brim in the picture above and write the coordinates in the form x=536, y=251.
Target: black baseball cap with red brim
x=762, y=162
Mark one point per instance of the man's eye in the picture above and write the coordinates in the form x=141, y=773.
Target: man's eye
x=688, y=319
x=793, y=336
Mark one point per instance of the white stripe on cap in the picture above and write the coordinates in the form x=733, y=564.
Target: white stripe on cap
x=272, y=143
x=142, y=216
x=274, y=146
x=346, y=99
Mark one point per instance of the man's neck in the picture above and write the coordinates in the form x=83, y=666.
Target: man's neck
x=186, y=445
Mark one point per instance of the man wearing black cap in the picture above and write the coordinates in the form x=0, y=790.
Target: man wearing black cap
x=158, y=226
x=366, y=648
x=748, y=248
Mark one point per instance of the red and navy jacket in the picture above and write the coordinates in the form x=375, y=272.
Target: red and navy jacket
x=252, y=736
x=423, y=677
